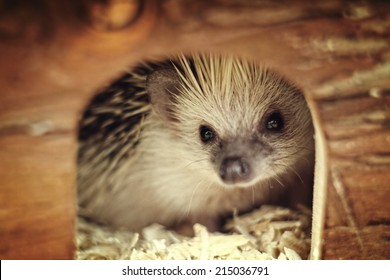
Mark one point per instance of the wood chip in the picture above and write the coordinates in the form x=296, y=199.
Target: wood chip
x=269, y=232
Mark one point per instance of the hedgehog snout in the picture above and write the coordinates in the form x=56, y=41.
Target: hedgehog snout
x=235, y=170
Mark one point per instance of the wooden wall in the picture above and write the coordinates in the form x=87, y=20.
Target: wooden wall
x=54, y=55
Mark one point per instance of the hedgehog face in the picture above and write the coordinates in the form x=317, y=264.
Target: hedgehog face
x=242, y=159
x=271, y=146
x=239, y=123
x=236, y=160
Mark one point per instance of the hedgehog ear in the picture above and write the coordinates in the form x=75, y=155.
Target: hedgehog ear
x=162, y=86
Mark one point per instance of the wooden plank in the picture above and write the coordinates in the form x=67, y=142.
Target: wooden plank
x=371, y=242
x=37, y=197
x=369, y=195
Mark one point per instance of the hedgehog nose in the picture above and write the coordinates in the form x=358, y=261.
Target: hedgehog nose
x=234, y=170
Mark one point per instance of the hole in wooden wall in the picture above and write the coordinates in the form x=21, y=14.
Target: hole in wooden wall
x=194, y=140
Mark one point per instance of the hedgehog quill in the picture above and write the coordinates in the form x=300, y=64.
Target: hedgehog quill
x=191, y=139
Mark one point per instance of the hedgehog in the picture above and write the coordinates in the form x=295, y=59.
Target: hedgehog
x=191, y=140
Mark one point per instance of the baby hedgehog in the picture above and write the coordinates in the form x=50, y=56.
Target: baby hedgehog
x=191, y=139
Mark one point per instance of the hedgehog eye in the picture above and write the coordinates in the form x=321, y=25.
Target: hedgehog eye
x=275, y=122
x=206, y=134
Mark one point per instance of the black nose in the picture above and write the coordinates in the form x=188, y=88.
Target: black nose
x=234, y=170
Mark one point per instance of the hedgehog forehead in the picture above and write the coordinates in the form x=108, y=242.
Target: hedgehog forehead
x=229, y=113
x=228, y=93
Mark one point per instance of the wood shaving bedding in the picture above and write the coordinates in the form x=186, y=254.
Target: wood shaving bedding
x=269, y=232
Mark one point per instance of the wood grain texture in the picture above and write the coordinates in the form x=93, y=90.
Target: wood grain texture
x=37, y=200
x=56, y=54
x=358, y=212
x=370, y=243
